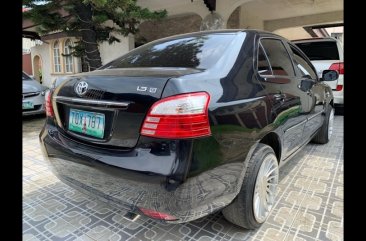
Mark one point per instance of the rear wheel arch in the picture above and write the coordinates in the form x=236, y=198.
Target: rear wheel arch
x=273, y=140
x=325, y=131
x=332, y=103
x=243, y=210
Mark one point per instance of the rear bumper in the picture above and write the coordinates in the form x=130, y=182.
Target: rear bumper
x=198, y=196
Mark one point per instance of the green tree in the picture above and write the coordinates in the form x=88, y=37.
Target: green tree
x=88, y=20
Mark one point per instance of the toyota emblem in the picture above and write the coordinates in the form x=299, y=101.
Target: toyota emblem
x=81, y=88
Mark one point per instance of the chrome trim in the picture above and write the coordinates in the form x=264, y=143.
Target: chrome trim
x=296, y=125
x=31, y=94
x=81, y=88
x=92, y=102
x=315, y=115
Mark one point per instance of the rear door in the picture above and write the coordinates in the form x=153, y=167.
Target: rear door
x=281, y=84
x=314, y=108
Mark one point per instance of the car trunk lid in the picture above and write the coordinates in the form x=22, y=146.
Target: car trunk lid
x=114, y=105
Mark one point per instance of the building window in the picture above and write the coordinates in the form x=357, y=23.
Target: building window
x=68, y=58
x=56, y=57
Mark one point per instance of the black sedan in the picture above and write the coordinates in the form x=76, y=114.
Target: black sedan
x=188, y=125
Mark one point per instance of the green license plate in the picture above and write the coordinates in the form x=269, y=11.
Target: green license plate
x=88, y=123
x=27, y=105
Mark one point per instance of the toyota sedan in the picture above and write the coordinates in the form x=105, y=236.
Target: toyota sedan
x=189, y=125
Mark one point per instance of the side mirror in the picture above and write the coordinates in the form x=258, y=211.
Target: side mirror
x=329, y=75
x=306, y=84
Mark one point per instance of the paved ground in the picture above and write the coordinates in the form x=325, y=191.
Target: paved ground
x=309, y=207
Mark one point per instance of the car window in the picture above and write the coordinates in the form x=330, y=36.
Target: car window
x=278, y=57
x=263, y=65
x=26, y=77
x=324, y=50
x=302, y=65
x=190, y=52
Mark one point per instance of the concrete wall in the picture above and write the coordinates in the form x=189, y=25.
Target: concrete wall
x=234, y=20
x=179, y=7
x=152, y=30
x=109, y=52
x=293, y=33
x=249, y=19
x=27, y=64
x=305, y=20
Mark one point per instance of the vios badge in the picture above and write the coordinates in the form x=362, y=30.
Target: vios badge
x=81, y=88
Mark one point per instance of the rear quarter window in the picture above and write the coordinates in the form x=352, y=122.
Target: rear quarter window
x=325, y=50
x=278, y=57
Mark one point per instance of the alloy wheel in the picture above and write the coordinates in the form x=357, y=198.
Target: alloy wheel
x=330, y=123
x=265, y=188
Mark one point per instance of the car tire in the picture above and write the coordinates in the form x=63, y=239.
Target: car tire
x=245, y=210
x=326, y=130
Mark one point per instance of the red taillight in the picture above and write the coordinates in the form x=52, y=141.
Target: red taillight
x=339, y=87
x=49, y=108
x=157, y=215
x=338, y=66
x=178, y=117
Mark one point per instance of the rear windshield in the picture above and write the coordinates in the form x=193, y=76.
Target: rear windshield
x=325, y=50
x=189, y=52
x=26, y=77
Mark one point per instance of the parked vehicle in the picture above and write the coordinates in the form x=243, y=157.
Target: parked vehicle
x=188, y=125
x=326, y=53
x=33, y=96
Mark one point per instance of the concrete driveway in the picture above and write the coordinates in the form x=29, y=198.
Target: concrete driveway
x=309, y=206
